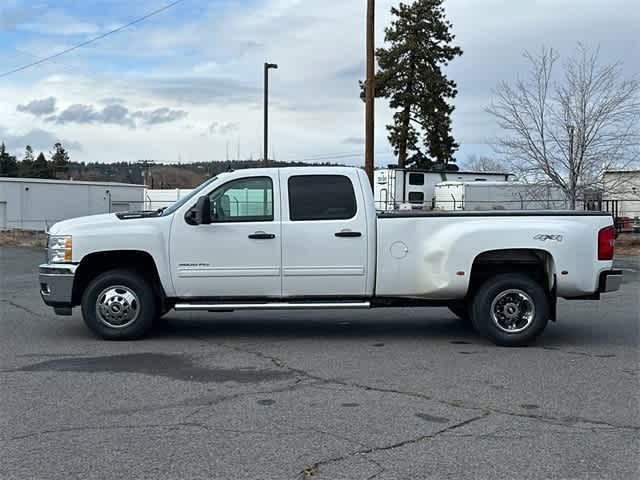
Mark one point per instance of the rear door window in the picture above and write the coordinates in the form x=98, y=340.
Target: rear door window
x=321, y=197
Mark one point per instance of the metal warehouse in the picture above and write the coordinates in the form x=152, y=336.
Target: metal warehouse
x=34, y=204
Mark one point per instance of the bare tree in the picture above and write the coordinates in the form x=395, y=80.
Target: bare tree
x=568, y=132
x=483, y=163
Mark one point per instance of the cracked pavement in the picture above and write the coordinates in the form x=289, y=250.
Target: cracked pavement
x=384, y=394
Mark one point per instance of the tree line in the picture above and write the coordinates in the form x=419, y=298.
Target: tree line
x=34, y=167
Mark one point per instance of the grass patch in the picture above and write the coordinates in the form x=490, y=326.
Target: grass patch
x=628, y=244
x=23, y=238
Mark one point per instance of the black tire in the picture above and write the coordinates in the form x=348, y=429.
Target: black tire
x=512, y=292
x=135, y=294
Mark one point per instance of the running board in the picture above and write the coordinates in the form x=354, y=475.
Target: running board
x=214, y=307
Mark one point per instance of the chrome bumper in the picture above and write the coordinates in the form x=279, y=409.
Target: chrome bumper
x=56, y=286
x=610, y=281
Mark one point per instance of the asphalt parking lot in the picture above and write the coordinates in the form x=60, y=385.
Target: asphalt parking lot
x=385, y=394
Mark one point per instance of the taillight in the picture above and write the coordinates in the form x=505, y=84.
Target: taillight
x=606, y=240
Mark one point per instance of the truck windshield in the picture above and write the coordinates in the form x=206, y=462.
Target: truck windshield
x=172, y=208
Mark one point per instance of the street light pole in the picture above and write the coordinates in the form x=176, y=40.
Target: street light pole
x=267, y=66
x=370, y=92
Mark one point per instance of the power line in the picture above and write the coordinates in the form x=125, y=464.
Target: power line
x=319, y=158
x=92, y=40
x=331, y=154
x=29, y=54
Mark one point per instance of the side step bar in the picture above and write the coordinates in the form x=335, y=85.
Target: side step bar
x=214, y=307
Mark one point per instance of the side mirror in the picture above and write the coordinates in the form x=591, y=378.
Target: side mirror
x=201, y=213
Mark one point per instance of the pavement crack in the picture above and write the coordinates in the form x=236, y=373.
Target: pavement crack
x=21, y=307
x=85, y=428
x=329, y=434
x=225, y=398
x=313, y=470
x=380, y=471
x=278, y=362
x=564, y=421
x=569, y=421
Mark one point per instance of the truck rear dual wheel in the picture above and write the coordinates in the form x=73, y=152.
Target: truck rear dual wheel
x=510, y=309
x=119, y=305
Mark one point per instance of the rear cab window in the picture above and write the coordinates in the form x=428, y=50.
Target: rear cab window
x=321, y=197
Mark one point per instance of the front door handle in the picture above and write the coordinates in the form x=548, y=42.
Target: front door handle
x=348, y=234
x=262, y=236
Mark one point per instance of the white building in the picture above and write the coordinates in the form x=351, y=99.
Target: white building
x=396, y=186
x=34, y=204
x=623, y=188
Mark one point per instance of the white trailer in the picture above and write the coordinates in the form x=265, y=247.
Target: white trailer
x=395, y=187
x=497, y=196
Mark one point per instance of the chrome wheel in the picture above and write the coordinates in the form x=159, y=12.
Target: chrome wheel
x=117, y=306
x=512, y=311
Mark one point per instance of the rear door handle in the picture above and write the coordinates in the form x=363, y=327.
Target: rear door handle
x=262, y=236
x=348, y=234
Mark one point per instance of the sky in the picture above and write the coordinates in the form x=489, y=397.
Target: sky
x=186, y=84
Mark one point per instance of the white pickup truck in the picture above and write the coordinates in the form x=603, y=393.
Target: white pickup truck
x=310, y=238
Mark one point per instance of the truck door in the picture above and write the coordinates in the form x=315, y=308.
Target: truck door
x=239, y=253
x=324, y=235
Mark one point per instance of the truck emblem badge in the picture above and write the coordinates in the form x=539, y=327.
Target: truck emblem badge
x=543, y=237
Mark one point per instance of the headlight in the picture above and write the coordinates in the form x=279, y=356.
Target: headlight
x=59, y=249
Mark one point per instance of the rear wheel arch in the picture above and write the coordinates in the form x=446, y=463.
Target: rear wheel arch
x=537, y=263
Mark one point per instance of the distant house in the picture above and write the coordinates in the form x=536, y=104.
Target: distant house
x=624, y=187
x=35, y=204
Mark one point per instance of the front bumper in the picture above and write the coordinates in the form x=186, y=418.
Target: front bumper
x=610, y=281
x=56, y=286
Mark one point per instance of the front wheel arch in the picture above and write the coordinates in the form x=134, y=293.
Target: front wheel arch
x=94, y=264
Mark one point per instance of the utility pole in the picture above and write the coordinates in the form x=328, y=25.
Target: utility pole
x=146, y=165
x=370, y=91
x=267, y=67
x=573, y=181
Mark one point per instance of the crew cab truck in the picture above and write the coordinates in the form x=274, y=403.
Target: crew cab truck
x=310, y=238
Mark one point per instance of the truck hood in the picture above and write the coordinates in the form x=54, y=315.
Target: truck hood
x=79, y=224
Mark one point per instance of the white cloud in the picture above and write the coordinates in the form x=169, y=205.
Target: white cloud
x=39, y=107
x=38, y=139
x=222, y=128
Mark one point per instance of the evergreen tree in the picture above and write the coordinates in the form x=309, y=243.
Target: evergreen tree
x=8, y=163
x=59, y=160
x=41, y=168
x=25, y=167
x=411, y=77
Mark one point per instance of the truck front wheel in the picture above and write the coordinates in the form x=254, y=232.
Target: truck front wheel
x=510, y=309
x=119, y=305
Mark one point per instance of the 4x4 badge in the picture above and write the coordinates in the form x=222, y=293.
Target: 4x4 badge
x=543, y=237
